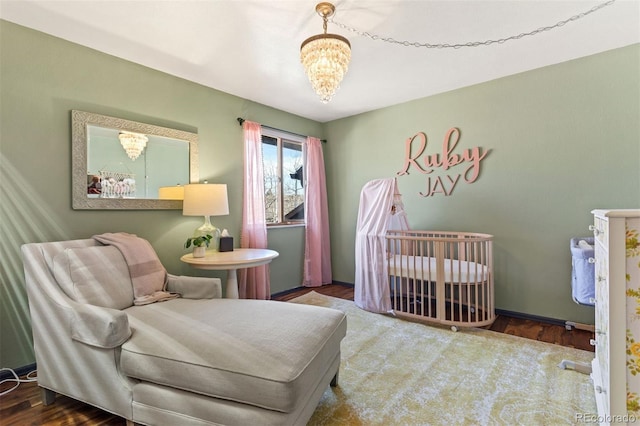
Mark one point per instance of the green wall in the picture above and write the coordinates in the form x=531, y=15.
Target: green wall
x=564, y=140
x=43, y=78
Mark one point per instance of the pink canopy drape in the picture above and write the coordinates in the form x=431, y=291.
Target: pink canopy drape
x=317, y=254
x=253, y=283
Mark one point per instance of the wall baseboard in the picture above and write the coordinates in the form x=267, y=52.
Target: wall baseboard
x=20, y=371
x=344, y=283
x=537, y=318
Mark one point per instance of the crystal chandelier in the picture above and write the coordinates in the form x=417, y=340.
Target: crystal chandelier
x=133, y=143
x=325, y=57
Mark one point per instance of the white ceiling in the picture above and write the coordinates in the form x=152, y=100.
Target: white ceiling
x=250, y=48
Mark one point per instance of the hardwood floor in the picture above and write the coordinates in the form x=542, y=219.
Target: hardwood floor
x=23, y=406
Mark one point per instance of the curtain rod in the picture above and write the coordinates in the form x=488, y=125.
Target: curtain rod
x=241, y=120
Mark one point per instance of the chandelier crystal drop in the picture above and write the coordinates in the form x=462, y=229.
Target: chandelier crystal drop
x=133, y=143
x=325, y=57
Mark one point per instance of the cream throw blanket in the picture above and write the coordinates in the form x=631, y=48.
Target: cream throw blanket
x=148, y=276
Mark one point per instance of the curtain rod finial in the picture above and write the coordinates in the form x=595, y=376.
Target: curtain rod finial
x=240, y=120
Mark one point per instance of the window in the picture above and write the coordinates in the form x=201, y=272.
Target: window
x=283, y=164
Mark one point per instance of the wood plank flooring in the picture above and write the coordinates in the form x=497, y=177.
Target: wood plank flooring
x=23, y=407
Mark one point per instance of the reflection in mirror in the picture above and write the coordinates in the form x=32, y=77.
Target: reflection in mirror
x=139, y=173
x=112, y=170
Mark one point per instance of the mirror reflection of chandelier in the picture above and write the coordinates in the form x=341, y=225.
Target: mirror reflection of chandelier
x=325, y=57
x=133, y=143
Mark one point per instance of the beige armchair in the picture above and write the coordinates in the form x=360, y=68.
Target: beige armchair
x=195, y=360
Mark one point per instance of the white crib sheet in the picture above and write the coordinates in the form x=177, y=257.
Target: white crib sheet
x=424, y=268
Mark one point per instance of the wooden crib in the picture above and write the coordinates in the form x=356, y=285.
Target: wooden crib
x=442, y=277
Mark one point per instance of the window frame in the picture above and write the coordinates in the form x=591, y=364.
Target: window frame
x=281, y=135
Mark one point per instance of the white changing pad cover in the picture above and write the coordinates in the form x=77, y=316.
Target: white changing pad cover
x=424, y=268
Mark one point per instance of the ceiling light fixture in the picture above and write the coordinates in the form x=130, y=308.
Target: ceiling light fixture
x=133, y=143
x=325, y=57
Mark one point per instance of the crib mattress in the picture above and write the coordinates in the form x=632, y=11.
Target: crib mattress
x=424, y=268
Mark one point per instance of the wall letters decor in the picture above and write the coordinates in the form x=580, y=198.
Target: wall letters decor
x=445, y=160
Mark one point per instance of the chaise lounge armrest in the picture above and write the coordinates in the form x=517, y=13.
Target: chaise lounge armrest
x=195, y=287
x=109, y=328
x=98, y=326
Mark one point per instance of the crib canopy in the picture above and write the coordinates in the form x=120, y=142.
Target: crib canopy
x=381, y=209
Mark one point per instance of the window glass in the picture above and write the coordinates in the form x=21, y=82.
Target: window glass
x=271, y=179
x=292, y=181
x=283, y=163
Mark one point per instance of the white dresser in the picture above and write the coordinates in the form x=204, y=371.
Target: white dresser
x=616, y=367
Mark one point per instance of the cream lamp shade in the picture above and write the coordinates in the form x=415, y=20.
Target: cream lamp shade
x=205, y=199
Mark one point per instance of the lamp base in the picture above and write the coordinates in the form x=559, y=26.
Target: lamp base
x=208, y=228
x=204, y=230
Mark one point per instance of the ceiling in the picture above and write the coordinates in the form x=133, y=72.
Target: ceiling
x=250, y=48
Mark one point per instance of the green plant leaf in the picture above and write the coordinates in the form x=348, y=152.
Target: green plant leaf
x=200, y=241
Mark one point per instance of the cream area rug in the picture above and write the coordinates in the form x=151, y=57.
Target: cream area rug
x=397, y=372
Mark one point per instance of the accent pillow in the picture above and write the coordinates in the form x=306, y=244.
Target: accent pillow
x=95, y=275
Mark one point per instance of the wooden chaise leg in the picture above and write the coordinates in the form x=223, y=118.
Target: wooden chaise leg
x=47, y=396
x=334, y=381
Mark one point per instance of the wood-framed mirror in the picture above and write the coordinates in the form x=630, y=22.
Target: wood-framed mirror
x=109, y=174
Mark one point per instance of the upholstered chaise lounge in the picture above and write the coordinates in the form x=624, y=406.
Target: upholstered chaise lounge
x=193, y=360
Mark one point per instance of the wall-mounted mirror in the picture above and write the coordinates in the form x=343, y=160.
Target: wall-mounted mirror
x=122, y=164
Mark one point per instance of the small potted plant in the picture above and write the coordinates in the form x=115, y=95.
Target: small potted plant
x=199, y=243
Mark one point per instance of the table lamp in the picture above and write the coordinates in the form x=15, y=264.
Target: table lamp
x=206, y=199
